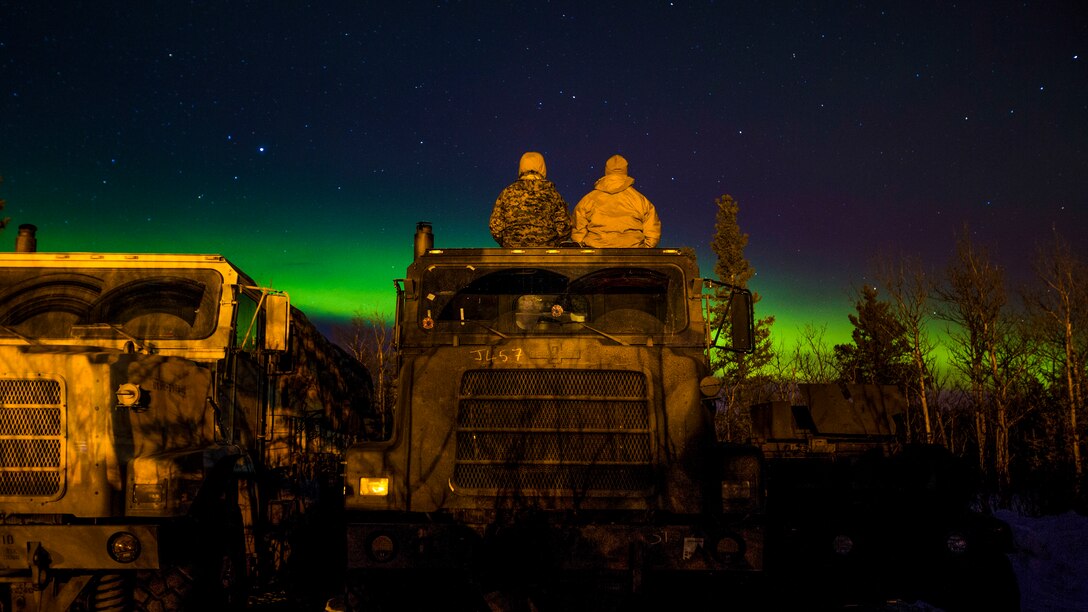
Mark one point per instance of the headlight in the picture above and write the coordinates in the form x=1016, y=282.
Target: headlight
x=149, y=495
x=736, y=489
x=374, y=486
x=956, y=543
x=842, y=545
x=730, y=549
x=382, y=548
x=123, y=547
x=158, y=486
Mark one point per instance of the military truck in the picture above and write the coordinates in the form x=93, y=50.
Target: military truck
x=857, y=518
x=162, y=434
x=550, y=432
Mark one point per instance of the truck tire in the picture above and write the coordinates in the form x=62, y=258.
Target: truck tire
x=219, y=572
x=211, y=583
x=164, y=590
x=207, y=566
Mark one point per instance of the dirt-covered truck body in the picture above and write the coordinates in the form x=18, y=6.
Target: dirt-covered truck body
x=549, y=421
x=156, y=421
x=858, y=518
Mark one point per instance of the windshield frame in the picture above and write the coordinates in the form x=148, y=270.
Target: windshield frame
x=87, y=302
x=534, y=299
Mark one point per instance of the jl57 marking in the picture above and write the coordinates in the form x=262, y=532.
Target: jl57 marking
x=499, y=356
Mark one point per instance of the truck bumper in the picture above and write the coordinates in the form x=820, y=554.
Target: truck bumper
x=47, y=548
x=608, y=547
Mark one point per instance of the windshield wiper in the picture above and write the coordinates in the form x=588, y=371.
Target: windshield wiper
x=609, y=336
x=22, y=337
x=488, y=328
x=462, y=321
x=139, y=344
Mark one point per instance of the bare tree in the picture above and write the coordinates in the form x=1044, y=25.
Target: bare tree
x=1061, y=308
x=813, y=358
x=986, y=346
x=957, y=412
x=936, y=396
x=910, y=291
x=781, y=375
x=369, y=338
x=973, y=299
x=746, y=380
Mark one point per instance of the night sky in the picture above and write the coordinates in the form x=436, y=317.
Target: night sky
x=304, y=141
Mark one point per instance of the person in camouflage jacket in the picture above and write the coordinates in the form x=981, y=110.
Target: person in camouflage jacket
x=530, y=212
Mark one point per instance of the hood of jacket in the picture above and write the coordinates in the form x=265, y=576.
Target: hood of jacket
x=615, y=177
x=532, y=162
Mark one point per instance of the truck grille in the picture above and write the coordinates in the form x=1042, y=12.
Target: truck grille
x=568, y=431
x=31, y=437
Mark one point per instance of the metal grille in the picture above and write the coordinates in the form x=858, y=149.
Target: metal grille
x=537, y=431
x=31, y=437
x=529, y=478
x=554, y=383
x=554, y=445
x=29, y=392
x=536, y=413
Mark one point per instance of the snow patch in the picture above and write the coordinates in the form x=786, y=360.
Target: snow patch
x=1051, y=561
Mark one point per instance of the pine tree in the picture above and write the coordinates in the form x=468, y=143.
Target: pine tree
x=880, y=353
x=3, y=221
x=744, y=382
x=729, y=243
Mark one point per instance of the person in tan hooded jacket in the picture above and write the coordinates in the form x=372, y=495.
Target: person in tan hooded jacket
x=615, y=214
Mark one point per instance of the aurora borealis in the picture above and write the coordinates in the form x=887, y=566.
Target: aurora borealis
x=304, y=141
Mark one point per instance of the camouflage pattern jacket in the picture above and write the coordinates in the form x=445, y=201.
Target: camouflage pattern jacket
x=530, y=212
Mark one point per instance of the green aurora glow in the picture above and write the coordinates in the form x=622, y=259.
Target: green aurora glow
x=332, y=265
x=305, y=146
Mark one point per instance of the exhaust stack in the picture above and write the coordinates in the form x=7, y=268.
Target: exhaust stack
x=26, y=242
x=424, y=238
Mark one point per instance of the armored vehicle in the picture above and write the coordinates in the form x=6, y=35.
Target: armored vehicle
x=549, y=432
x=856, y=518
x=161, y=432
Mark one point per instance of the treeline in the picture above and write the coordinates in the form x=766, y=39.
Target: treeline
x=996, y=374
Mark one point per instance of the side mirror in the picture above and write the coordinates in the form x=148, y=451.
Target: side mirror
x=741, y=322
x=738, y=314
x=277, y=322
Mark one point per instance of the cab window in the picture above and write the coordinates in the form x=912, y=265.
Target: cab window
x=246, y=321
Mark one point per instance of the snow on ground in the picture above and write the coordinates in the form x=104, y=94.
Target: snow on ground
x=1051, y=561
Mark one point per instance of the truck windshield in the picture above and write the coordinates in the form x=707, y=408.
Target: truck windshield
x=92, y=302
x=555, y=300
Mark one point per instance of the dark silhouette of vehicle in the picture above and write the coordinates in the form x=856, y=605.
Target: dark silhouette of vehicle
x=165, y=442
x=857, y=519
x=550, y=440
